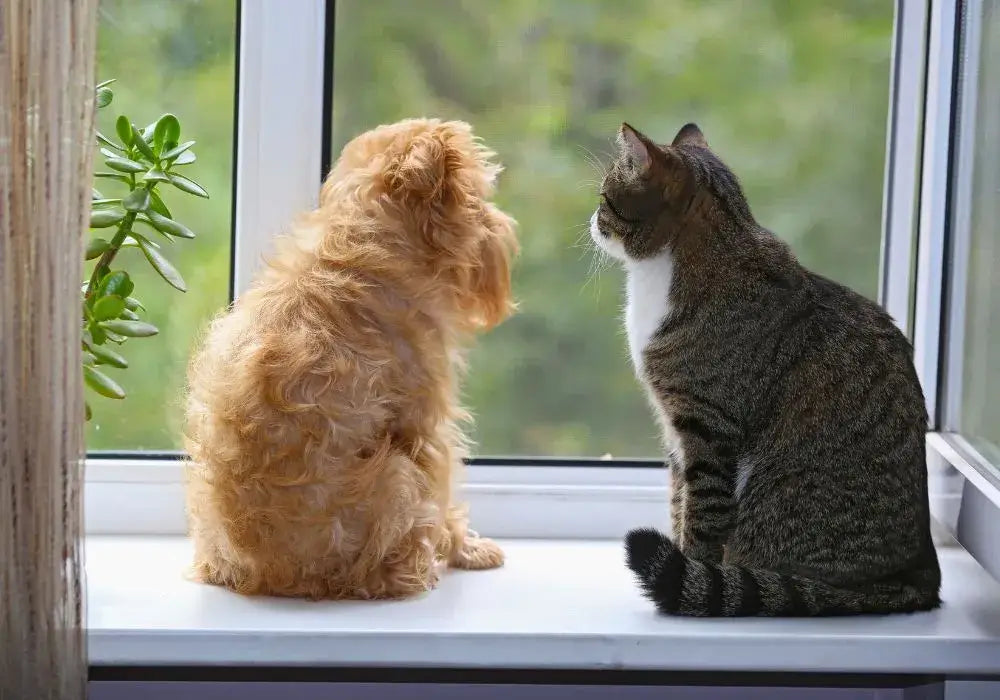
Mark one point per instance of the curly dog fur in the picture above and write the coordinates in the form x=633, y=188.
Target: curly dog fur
x=323, y=415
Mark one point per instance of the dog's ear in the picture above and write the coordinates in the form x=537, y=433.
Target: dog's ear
x=419, y=172
x=491, y=291
x=439, y=166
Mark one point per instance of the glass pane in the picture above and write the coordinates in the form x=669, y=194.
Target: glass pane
x=175, y=57
x=980, y=408
x=794, y=95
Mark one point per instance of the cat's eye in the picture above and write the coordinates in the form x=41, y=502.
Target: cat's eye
x=617, y=212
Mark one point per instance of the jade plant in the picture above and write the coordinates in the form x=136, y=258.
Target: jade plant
x=142, y=165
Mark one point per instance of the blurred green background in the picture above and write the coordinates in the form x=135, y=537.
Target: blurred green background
x=792, y=94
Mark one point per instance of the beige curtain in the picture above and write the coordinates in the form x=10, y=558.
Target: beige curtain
x=46, y=131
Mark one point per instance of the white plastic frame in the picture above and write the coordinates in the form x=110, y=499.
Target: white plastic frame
x=934, y=191
x=280, y=128
x=280, y=122
x=902, y=162
x=978, y=515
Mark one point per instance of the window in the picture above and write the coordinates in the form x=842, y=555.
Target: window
x=793, y=95
x=976, y=236
x=171, y=57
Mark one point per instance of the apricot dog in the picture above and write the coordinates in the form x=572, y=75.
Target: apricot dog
x=323, y=414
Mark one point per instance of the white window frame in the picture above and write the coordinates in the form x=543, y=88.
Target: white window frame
x=279, y=123
x=977, y=518
x=279, y=134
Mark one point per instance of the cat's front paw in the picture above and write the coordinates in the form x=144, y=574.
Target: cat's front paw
x=477, y=553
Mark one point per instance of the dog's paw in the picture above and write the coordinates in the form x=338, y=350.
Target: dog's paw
x=477, y=553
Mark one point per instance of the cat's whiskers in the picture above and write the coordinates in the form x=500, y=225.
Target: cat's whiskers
x=599, y=261
x=600, y=169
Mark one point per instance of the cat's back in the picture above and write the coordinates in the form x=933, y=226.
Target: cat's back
x=849, y=336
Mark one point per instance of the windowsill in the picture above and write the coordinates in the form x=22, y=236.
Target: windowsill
x=556, y=604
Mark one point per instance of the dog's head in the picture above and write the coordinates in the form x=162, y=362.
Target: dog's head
x=435, y=179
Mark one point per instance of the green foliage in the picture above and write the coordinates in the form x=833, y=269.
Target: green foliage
x=792, y=94
x=109, y=310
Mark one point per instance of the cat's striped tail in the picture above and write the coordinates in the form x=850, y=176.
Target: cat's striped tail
x=679, y=585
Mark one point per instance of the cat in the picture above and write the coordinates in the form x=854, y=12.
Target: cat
x=791, y=403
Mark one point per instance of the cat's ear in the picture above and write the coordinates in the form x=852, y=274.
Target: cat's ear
x=636, y=148
x=690, y=135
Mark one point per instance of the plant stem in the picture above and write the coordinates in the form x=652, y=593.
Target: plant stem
x=104, y=263
x=124, y=229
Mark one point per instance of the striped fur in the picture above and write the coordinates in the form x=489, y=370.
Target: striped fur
x=679, y=585
x=798, y=422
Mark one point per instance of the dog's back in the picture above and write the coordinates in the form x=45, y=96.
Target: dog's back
x=322, y=411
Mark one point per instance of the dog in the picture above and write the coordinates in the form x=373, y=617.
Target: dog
x=323, y=423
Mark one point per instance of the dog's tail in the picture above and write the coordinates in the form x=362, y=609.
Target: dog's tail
x=679, y=585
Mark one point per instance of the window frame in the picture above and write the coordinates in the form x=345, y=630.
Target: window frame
x=282, y=51
x=977, y=480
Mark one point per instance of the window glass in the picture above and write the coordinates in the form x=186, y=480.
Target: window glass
x=175, y=57
x=980, y=406
x=794, y=95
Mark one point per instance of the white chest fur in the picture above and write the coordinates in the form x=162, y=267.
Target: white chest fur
x=647, y=289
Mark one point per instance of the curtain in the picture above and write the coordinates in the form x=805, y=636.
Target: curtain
x=46, y=133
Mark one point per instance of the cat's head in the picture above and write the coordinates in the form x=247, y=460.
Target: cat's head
x=653, y=195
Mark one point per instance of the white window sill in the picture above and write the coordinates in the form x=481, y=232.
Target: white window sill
x=555, y=605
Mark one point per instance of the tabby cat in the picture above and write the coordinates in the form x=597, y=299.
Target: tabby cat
x=791, y=403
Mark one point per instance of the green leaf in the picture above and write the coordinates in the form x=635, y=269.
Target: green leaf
x=97, y=334
x=174, y=152
x=137, y=200
x=104, y=97
x=139, y=239
x=170, y=226
x=102, y=383
x=155, y=175
x=123, y=127
x=113, y=176
x=139, y=141
x=114, y=337
x=185, y=185
x=131, y=303
x=168, y=129
x=109, y=307
x=129, y=315
x=96, y=247
x=162, y=266
x=108, y=142
x=105, y=83
x=184, y=158
x=157, y=205
x=125, y=165
x=88, y=359
x=108, y=153
x=110, y=357
x=140, y=144
x=104, y=202
x=87, y=415
x=173, y=133
x=147, y=132
x=102, y=218
x=94, y=194
x=115, y=283
x=130, y=329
